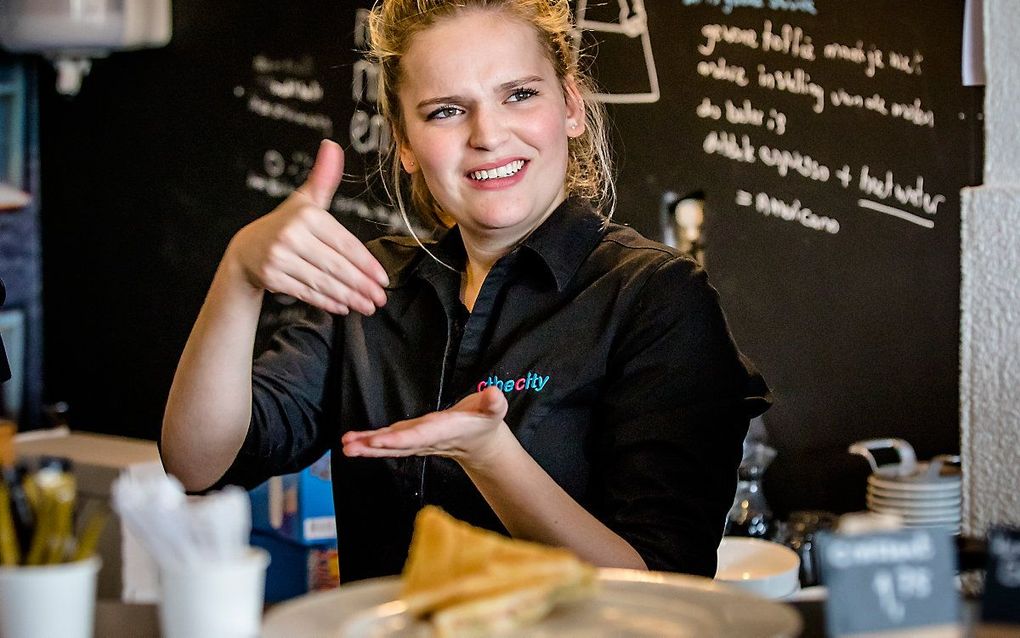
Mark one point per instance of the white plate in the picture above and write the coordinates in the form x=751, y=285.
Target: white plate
x=944, y=486
x=808, y=594
x=950, y=512
x=892, y=501
x=916, y=489
x=953, y=513
x=925, y=497
x=909, y=510
x=908, y=519
x=954, y=527
x=629, y=603
x=928, y=520
x=948, y=529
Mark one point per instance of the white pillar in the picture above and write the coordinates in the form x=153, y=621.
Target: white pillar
x=990, y=292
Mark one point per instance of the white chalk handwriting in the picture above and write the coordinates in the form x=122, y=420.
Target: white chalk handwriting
x=794, y=211
x=727, y=6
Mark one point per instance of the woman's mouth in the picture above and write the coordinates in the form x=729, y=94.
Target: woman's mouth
x=507, y=170
x=506, y=174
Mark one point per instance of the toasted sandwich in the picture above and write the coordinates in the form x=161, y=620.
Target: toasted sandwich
x=473, y=582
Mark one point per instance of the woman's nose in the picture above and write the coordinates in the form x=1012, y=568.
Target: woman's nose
x=488, y=129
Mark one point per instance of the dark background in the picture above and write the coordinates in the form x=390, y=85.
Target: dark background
x=856, y=332
x=148, y=172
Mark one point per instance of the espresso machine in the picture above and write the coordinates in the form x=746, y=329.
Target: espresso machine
x=681, y=218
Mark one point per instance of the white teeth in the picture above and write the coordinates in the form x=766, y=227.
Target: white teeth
x=507, y=170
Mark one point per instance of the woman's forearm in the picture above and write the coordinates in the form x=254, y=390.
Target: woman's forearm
x=209, y=406
x=532, y=506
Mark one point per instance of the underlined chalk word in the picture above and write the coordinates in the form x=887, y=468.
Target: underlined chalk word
x=896, y=212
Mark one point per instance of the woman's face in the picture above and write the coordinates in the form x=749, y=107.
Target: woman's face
x=487, y=122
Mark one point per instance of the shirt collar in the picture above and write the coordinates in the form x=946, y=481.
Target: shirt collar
x=561, y=243
x=565, y=238
x=448, y=249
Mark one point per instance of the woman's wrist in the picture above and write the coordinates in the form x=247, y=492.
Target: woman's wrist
x=233, y=279
x=490, y=456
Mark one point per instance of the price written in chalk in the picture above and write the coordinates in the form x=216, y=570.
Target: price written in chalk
x=897, y=586
x=906, y=578
x=1002, y=582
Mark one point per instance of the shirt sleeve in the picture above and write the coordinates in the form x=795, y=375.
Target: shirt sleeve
x=676, y=410
x=294, y=399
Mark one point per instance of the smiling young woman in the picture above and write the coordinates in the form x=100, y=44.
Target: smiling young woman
x=535, y=370
x=486, y=122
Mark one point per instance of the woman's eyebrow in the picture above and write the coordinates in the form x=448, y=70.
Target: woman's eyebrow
x=515, y=84
x=458, y=99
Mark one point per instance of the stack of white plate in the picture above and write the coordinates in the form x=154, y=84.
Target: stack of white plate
x=924, y=499
x=919, y=494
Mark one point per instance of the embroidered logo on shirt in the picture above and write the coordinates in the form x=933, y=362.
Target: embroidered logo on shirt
x=531, y=381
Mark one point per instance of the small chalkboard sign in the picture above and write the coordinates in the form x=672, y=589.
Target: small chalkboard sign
x=889, y=581
x=1002, y=579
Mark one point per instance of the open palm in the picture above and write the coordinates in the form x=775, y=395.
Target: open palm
x=467, y=431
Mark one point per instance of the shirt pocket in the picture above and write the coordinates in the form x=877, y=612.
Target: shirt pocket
x=525, y=416
x=557, y=436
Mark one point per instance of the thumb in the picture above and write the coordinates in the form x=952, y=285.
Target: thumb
x=493, y=402
x=489, y=403
x=327, y=171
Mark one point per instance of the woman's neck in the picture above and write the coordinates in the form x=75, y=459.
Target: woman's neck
x=485, y=248
x=479, y=262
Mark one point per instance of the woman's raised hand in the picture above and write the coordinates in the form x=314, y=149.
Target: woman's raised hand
x=301, y=250
x=469, y=432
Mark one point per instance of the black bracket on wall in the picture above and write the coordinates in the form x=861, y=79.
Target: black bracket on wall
x=5, y=366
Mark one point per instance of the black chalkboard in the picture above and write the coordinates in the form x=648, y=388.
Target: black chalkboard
x=830, y=141
x=151, y=169
x=851, y=312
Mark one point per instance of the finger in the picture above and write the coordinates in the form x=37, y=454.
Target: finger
x=493, y=402
x=360, y=450
x=298, y=290
x=399, y=440
x=490, y=403
x=438, y=430
x=310, y=276
x=297, y=244
x=357, y=435
x=340, y=267
x=332, y=233
x=350, y=437
x=325, y=176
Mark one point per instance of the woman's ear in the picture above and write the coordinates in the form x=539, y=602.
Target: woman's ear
x=575, y=107
x=407, y=159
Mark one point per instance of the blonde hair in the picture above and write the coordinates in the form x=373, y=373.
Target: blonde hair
x=393, y=23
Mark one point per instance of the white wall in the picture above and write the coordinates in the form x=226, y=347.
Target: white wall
x=990, y=292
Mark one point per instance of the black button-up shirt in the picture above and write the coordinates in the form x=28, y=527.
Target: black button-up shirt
x=622, y=381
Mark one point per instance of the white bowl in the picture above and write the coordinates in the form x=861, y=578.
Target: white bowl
x=762, y=567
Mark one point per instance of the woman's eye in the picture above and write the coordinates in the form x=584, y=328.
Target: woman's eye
x=522, y=94
x=443, y=112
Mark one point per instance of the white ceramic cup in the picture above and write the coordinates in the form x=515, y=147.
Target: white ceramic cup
x=218, y=599
x=49, y=600
x=762, y=567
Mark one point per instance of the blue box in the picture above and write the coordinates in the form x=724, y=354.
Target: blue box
x=297, y=507
x=296, y=569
